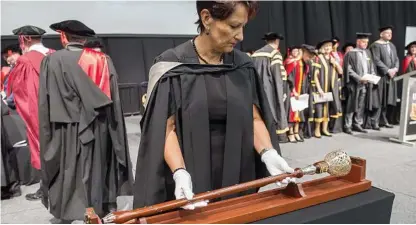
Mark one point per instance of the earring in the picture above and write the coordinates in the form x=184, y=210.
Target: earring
x=207, y=31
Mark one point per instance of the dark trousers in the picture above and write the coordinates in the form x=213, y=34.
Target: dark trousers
x=380, y=117
x=357, y=118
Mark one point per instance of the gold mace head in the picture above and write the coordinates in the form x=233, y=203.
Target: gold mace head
x=336, y=163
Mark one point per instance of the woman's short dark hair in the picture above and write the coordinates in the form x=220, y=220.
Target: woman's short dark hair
x=221, y=10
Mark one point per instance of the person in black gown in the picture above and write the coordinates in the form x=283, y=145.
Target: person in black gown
x=83, y=141
x=205, y=100
x=387, y=67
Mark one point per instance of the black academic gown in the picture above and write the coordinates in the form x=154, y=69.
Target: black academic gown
x=15, y=160
x=310, y=88
x=269, y=65
x=9, y=172
x=84, y=150
x=328, y=79
x=384, y=61
x=212, y=106
x=352, y=60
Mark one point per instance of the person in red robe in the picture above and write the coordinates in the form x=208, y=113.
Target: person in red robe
x=409, y=62
x=24, y=83
x=295, y=77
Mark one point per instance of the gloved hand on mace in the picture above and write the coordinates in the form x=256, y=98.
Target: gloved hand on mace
x=336, y=163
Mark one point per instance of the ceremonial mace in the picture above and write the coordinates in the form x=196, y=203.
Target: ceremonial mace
x=336, y=163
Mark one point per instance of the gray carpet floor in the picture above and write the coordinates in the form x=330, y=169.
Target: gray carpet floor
x=390, y=166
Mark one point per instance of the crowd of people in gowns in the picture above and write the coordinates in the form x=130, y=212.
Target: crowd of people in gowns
x=336, y=96
x=62, y=122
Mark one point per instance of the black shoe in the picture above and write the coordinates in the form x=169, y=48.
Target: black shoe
x=359, y=129
x=298, y=137
x=348, y=131
x=34, y=196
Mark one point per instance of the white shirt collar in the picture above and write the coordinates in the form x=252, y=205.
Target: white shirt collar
x=39, y=48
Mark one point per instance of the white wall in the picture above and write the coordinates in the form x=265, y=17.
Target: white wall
x=109, y=17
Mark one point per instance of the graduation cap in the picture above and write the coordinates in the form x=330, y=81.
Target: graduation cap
x=272, y=36
x=29, y=30
x=309, y=48
x=348, y=44
x=410, y=45
x=335, y=39
x=320, y=44
x=74, y=27
x=381, y=29
x=363, y=35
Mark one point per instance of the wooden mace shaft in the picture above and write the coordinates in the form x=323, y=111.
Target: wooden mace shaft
x=124, y=216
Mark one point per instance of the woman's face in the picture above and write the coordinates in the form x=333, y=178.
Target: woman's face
x=295, y=53
x=225, y=34
x=413, y=49
x=327, y=48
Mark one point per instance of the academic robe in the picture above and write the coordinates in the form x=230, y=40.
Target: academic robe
x=384, y=61
x=213, y=110
x=409, y=65
x=310, y=88
x=328, y=79
x=353, y=69
x=18, y=158
x=24, y=84
x=297, y=79
x=9, y=172
x=269, y=65
x=84, y=149
x=4, y=73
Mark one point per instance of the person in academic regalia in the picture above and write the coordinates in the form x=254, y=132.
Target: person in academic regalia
x=408, y=65
x=297, y=82
x=96, y=44
x=335, y=125
x=10, y=181
x=308, y=57
x=409, y=62
x=347, y=47
x=269, y=65
x=24, y=84
x=206, y=101
x=84, y=149
x=360, y=99
x=326, y=81
x=387, y=63
x=339, y=57
x=10, y=54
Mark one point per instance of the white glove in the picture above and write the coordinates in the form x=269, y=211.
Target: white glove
x=276, y=165
x=183, y=189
